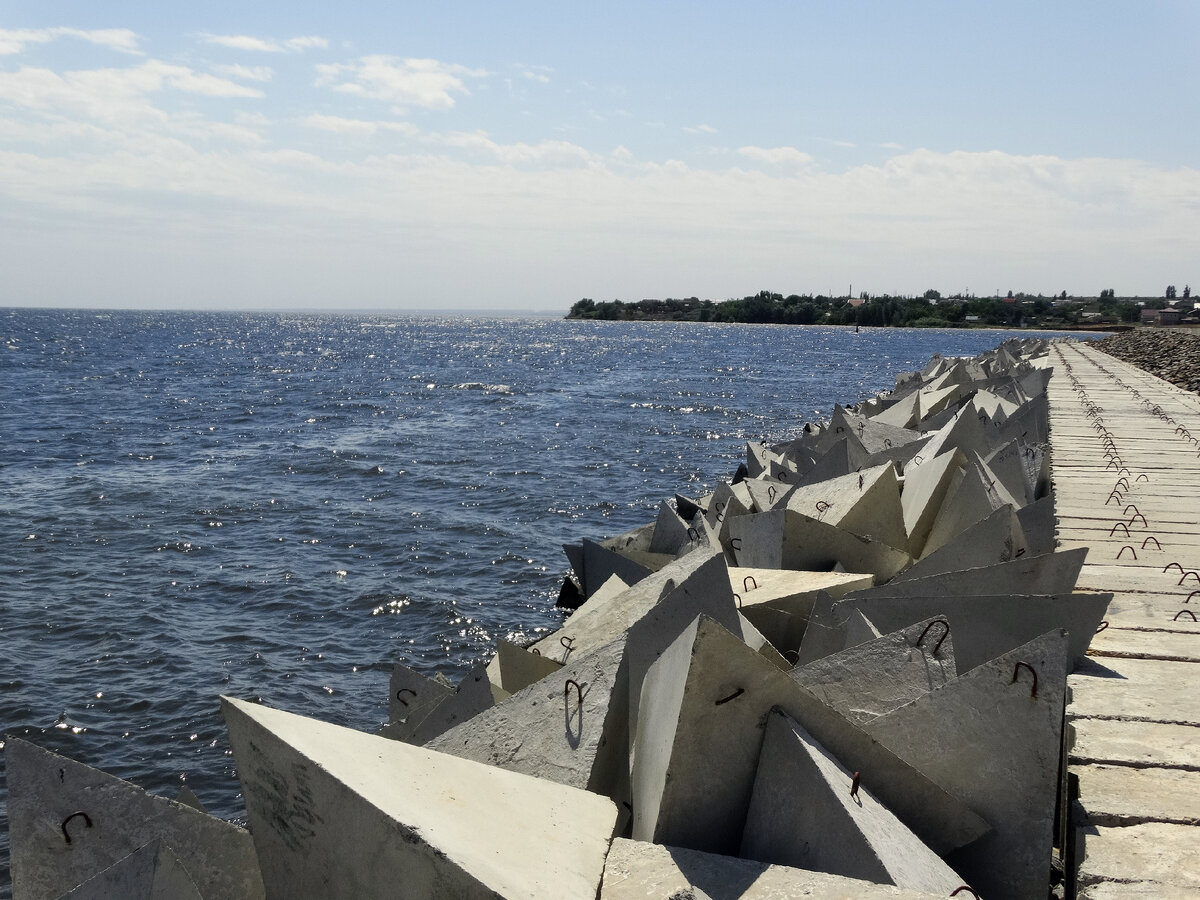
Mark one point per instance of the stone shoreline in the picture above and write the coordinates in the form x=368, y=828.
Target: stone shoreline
x=1170, y=354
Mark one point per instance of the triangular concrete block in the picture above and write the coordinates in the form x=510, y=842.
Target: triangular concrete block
x=473, y=695
x=1038, y=524
x=1049, y=573
x=514, y=668
x=703, y=708
x=925, y=487
x=963, y=432
x=993, y=737
x=411, y=697
x=727, y=503
x=188, y=797
x=845, y=456
x=972, y=500
x=1030, y=423
x=69, y=822
x=670, y=531
x=1006, y=463
x=934, y=399
x=150, y=873
x=599, y=563
x=340, y=813
x=866, y=503
x=789, y=540
x=858, y=630
x=987, y=627
x=777, y=602
x=810, y=812
x=874, y=678
x=997, y=538
x=902, y=414
x=768, y=493
x=546, y=731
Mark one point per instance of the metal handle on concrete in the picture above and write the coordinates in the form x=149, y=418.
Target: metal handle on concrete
x=1017, y=670
x=401, y=692
x=945, y=634
x=86, y=818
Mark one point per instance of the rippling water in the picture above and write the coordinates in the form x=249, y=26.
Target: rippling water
x=279, y=506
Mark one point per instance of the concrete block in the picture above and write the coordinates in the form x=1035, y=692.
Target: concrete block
x=971, y=500
x=1038, y=525
x=187, y=797
x=902, y=414
x=545, y=730
x=1007, y=463
x=514, y=668
x=107, y=819
x=1048, y=573
x=845, y=456
x=670, y=531
x=758, y=459
x=963, y=431
x=1030, y=423
x=789, y=540
x=995, y=743
x=727, y=503
x=1139, y=690
x=933, y=400
x=411, y=697
x=473, y=695
x=809, y=811
x=874, y=678
x=768, y=493
x=875, y=436
x=987, y=627
x=924, y=491
x=1132, y=743
x=152, y=872
x=340, y=813
x=997, y=538
x=636, y=870
x=1154, y=853
x=600, y=563
x=858, y=630
x=866, y=503
x=591, y=627
x=635, y=540
x=703, y=707
x=1124, y=796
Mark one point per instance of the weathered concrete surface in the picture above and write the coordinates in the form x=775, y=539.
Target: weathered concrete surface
x=703, y=706
x=340, y=813
x=150, y=873
x=786, y=539
x=925, y=487
x=996, y=538
x=545, y=731
x=809, y=811
x=473, y=695
x=599, y=563
x=866, y=503
x=995, y=744
x=1156, y=853
x=1140, y=644
x=1051, y=573
x=1138, y=690
x=879, y=676
x=636, y=870
x=1134, y=743
x=1121, y=795
x=411, y=697
x=45, y=790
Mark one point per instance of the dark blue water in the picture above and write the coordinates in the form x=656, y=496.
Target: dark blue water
x=190, y=505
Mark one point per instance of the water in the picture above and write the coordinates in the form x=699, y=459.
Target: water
x=279, y=506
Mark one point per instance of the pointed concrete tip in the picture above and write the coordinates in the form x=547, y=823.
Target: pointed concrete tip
x=338, y=812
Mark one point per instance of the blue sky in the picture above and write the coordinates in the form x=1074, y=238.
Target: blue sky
x=523, y=155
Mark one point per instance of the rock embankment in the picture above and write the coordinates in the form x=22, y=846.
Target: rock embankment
x=1173, y=356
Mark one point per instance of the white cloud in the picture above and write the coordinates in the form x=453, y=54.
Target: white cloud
x=361, y=127
x=120, y=39
x=699, y=129
x=264, y=45
x=544, y=153
x=777, y=156
x=246, y=73
x=540, y=74
x=891, y=145
x=426, y=83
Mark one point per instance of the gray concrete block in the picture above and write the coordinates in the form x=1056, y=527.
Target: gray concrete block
x=1050, y=573
x=473, y=695
x=925, y=487
x=107, y=819
x=1138, y=690
x=997, y=538
x=1038, y=524
x=902, y=414
x=599, y=563
x=995, y=743
x=857, y=630
x=846, y=455
x=1124, y=796
x=768, y=493
x=874, y=678
x=670, y=531
x=703, y=707
x=514, y=668
x=152, y=872
x=987, y=627
x=1132, y=743
x=866, y=503
x=1155, y=853
x=636, y=870
x=785, y=539
x=974, y=499
x=411, y=697
x=187, y=797
x=340, y=813
x=809, y=811
x=547, y=732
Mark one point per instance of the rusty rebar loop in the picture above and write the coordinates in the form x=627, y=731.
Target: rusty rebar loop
x=854, y=784
x=86, y=819
x=1112, y=530
x=693, y=534
x=1102, y=626
x=400, y=695
x=1145, y=524
x=738, y=599
x=1183, y=577
x=925, y=631
x=1149, y=538
x=578, y=689
x=1189, y=597
x=771, y=492
x=1110, y=498
x=1032, y=671
x=747, y=581
x=1181, y=612
x=1128, y=547
x=1118, y=483
x=1167, y=567
x=967, y=888
x=732, y=696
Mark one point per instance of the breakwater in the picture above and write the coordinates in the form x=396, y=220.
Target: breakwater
x=936, y=490
x=1172, y=355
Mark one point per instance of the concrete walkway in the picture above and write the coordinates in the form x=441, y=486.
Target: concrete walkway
x=1127, y=481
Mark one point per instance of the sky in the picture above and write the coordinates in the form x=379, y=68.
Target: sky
x=520, y=156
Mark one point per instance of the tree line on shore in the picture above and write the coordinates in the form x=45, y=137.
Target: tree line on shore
x=930, y=310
